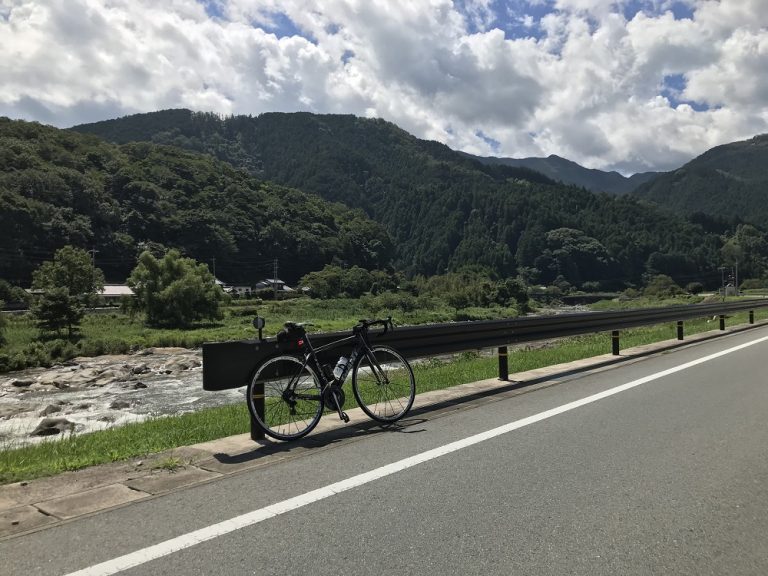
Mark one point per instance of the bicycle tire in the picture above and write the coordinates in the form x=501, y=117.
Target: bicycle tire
x=285, y=418
x=388, y=400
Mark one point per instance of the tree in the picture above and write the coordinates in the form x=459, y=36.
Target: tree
x=356, y=282
x=71, y=268
x=174, y=291
x=67, y=283
x=325, y=283
x=578, y=257
x=56, y=309
x=747, y=249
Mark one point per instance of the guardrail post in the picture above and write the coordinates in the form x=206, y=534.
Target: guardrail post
x=679, y=329
x=751, y=316
x=256, y=432
x=615, y=342
x=503, y=363
x=722, y=321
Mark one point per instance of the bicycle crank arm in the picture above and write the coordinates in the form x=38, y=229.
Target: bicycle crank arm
x=342, y=415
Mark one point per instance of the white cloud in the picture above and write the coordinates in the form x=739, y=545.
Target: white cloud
x=589, y=87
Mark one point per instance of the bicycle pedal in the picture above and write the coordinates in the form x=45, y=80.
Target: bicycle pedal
x=344, y=417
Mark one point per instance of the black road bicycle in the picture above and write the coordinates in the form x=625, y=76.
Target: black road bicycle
x=288, y=393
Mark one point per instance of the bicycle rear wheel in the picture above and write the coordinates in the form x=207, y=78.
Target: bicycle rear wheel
x=290, y=391
x=383, y=384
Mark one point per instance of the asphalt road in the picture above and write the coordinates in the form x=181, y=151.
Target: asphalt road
x=666, y=476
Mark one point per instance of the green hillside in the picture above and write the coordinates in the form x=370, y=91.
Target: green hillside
x=729, y=181
x=442, y=209
x=59, y=187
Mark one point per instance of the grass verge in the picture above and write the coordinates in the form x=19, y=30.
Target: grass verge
x=113, y=332
x=156, y=435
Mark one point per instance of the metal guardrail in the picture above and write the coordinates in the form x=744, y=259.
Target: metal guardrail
x=229, y=365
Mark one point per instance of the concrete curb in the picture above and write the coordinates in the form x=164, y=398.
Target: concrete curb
x=45, y=502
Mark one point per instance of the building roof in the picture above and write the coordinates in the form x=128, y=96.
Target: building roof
x=116, y=290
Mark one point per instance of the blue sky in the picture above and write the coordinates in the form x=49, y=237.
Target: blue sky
x=627, y=85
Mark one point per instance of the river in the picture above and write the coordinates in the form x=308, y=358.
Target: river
x=87, y=394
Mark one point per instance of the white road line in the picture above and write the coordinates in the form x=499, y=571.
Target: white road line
x=215, y=530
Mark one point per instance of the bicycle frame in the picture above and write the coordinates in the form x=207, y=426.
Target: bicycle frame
x=310, y=353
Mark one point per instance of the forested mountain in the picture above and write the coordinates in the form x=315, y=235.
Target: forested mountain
x=569, y=172
x=442, y=209
x=59, y=187
x=729, y=181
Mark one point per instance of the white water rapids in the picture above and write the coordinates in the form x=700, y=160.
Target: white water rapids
x=96, y=393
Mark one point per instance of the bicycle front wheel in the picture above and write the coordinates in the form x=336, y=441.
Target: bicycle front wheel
x=383, y=383
x=284, y=398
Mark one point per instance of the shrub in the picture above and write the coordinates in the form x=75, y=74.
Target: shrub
x=694, y=288
x=753, y=284
x=388, y=301
x=662, y=286
x=175, y=291
x=13, y=295
x=630, y=294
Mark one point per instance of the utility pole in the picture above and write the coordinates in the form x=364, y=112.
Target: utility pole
x=93, y=262
x=93, y=251
x=722, y=281
x=214, y=267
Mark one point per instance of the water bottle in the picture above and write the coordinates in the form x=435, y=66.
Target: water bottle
x=339, y=369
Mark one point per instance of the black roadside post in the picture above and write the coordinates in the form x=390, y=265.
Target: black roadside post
x=615, y=342
x=751, y=316
x=679, y=329
x=503, y=363
x=258, y=400
x=722, y=321
x=258, y=403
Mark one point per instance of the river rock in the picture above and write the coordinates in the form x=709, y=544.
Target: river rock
x=140, y=369
x=119, y=405
x=22, y=383
x=50, y=409
x=180, y=364
x=52, y=426
x=137, y=386
x=110, y=376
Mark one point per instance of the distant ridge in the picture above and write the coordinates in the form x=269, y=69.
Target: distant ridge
x=569, y=172
x=728, y=181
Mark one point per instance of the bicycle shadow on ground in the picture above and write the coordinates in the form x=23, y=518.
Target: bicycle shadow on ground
x=269, y=447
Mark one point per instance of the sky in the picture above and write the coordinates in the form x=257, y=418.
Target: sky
x=626, y=85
